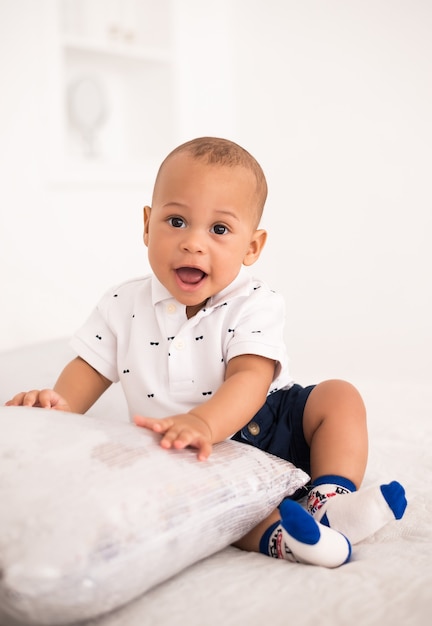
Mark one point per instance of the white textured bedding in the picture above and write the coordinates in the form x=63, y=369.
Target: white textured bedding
x=389, y=579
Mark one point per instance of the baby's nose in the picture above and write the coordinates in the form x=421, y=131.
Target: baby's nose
x=193, y=242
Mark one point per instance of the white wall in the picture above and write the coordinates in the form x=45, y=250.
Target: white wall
x=333, y=98
x=337, y=99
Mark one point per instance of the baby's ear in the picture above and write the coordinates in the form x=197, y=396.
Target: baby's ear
x=146, y=214
x=255, y=247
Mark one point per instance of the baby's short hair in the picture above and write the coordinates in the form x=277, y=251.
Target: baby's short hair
x=217, y=151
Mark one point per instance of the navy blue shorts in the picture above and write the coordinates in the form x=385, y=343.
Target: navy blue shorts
x=277, y=428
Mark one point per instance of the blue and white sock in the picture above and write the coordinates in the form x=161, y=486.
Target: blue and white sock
x=359, y=514
x=299, y=538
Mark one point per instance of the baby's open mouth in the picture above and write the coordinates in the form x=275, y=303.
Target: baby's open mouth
x=190, y=275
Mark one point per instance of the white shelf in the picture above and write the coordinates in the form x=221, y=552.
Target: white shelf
x=118, y=49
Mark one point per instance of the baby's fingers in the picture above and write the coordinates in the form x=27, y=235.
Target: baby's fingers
x=173, y=433
x=16, y=400
x=178, y=434
x=25, y=398
x=45, y=399
x=184, y=438
x=156, y=425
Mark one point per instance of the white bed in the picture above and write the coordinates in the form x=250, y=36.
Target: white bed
x=389, y=578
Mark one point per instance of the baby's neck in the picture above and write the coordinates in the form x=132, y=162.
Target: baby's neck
x=191, y=311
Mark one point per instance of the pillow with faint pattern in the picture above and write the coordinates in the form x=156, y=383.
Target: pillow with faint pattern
x=94, y=512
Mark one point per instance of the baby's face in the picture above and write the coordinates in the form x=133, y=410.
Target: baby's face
x=201, y=228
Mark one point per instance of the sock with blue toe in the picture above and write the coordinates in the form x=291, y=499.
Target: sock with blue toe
x=358, y=514
x=298, y=537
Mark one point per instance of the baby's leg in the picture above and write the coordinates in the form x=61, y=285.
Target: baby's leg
x=359, y=513
x=335, y=428
x=294, y=535
x=334, y=424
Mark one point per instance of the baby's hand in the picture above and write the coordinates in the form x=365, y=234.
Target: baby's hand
x=44, y=399
x=181, y=431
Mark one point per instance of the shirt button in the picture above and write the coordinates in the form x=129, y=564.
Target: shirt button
x=254, y=429
x=171, y=308
x=179, y=344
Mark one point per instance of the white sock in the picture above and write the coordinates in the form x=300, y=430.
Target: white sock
x=358, y=514
x=298, y=537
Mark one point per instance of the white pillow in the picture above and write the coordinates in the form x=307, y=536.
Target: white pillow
x=94, y=512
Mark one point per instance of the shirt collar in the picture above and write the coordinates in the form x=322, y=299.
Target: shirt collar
x=158, y=291
x=240, y=286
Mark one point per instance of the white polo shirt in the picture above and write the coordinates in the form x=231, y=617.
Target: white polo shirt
x=167, y=364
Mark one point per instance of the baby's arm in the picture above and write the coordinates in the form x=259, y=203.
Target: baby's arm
x=76, y=390
x=247, y=381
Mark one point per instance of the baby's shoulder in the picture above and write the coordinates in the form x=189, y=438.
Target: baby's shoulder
x=259, y=299
x=129, y=287
x=125, y=295
x=262, y=291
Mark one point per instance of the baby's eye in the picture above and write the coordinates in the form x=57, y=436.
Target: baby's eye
x=177, y=222
x=219, y=229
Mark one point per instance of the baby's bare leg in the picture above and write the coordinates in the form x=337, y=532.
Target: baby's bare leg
x=334, y=425
x=335, y=429
x=287, y=533
x=291, y=533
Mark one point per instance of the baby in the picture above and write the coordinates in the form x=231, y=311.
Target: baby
x=198, y=348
